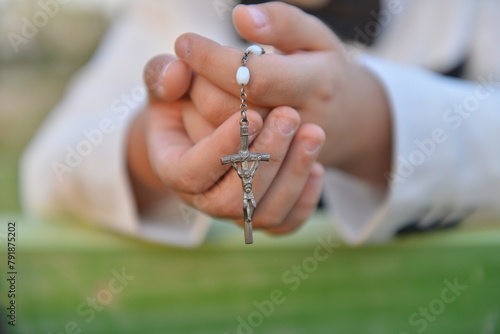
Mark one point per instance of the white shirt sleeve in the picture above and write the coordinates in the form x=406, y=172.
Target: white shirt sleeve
x=446, y=160
x=446, y=157
x=76, y=163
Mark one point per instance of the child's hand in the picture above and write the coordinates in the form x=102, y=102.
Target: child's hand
x=312, y=75
x=164, y=161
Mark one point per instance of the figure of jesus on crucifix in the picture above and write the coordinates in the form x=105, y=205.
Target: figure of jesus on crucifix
x=249, y=164
x=246, y=174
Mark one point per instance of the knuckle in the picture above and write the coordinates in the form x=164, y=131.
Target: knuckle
x=222, y=205
x=201, y=60
x=189, y=182
x=214, y=108
x=231, y=208
x=258, y=89
x=267, y=221
x=325, y=92
x=283, y=230
x=268, y=137
x=186, y=184
x=209, y=105
x=232, y=211
x=305, y=161
x=222, y=209
x=201, y=202
x=327, y=86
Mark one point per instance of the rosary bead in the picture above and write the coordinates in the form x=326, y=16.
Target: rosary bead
x=255, y=49
x=243, y=75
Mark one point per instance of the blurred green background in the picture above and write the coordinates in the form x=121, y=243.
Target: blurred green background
x=66, y=272
x=73, y=278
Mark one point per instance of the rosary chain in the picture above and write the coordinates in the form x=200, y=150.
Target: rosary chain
x=243, y=106
x=243, y=94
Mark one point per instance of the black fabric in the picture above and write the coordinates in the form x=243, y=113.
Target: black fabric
x=415, y=227
x=346, y=17
x=457, y=71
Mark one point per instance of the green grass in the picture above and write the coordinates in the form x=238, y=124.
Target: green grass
x=206, y=290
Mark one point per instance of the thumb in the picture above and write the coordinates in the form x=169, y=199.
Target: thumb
x=283, y=26
x=167, y=77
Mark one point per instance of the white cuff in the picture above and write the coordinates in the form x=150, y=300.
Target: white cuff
x=446, y=160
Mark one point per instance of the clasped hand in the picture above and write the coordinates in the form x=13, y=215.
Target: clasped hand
x=305, y=105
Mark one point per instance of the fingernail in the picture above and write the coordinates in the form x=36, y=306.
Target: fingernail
x=286, y=126
x=258, y=17
x=311, y=146
x=159, y=89
x=183, y=48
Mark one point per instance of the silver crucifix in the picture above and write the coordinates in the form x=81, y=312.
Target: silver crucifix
x=249, y=163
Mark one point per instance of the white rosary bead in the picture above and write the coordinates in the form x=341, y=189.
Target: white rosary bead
x=242, y=75
x=255, y=49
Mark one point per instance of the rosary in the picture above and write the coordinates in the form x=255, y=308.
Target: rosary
x=249, y=162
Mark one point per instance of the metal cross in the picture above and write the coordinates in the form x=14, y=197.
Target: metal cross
x=249, y=163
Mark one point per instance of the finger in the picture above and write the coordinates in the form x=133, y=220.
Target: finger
x=167, y=78
x=283, y=26
x=287, y=187
x=305, y=205
x=273, y=78
x=225, y=198
x=197, y=126
x=185, y=166
x=215, y=104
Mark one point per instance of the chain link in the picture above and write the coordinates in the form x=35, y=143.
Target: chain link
x=243, y=105
x=244, y=59
x=243, y=95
